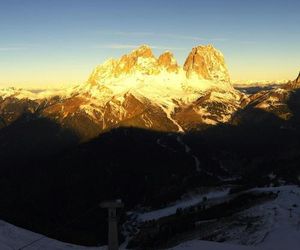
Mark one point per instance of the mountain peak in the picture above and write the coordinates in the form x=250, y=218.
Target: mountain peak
x=205, y=47
x=168, y=61
x=203, y=63
x=141, y=59
x=142, y=51
x=208, y=63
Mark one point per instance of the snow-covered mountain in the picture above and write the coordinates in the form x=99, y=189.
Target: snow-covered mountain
x=142, y=90
x=163, y=91
x=282, y=102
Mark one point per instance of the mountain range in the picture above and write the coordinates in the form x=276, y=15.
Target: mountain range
x=140, y=90
x=144, y=129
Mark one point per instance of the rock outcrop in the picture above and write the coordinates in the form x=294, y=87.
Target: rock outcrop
x=294, y=84
x=207, y=63
x=167, y=61
x=204, y=62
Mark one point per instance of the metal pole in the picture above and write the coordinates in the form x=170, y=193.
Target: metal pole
x=113, y=241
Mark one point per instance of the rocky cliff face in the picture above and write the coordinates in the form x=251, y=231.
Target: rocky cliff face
x=204, y=62
x=141, y=60
x=207, y=63
x=167, y=61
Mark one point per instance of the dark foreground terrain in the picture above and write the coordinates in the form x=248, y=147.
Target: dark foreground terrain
x=52, y=184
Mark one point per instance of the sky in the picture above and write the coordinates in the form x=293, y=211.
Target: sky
x=58, y=42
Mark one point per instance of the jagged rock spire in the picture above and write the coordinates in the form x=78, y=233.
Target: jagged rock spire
x=168, y=61
x=294, y=84
x=204, y=62
x=142, y=51
x=207, y=63
x=298, y=78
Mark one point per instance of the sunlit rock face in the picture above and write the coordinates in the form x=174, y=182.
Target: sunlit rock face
x=207, y=63
x=145, y=91
x=162, y=83
x=298, y=78
x=141, y=60
x=168, y=61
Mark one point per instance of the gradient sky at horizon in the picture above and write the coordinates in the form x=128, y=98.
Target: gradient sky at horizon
x=59, y=42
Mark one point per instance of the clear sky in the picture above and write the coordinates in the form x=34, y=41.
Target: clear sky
x=56, y=42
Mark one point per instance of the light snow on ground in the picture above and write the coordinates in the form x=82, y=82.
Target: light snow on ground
x=191, y=201
x=279, y=230
x=14, y=238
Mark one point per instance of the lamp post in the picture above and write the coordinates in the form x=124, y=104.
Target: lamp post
x=113, y=242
